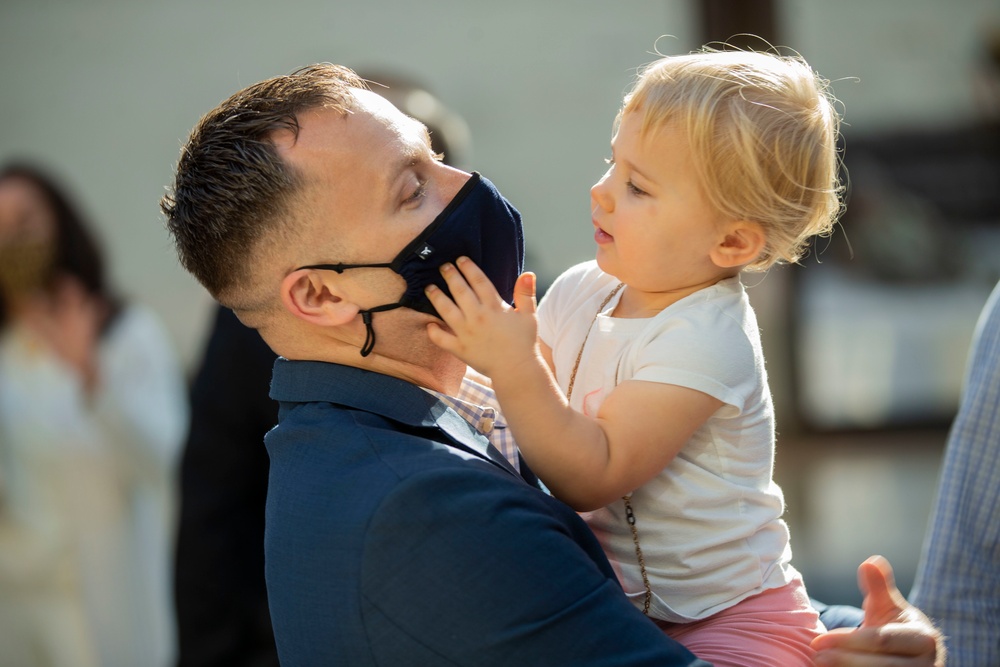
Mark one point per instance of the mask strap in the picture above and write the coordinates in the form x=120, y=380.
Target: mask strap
x=340, y=268
x=366, y=317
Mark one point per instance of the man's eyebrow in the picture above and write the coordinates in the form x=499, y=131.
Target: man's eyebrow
x=426, y=135
x=408, y=159
x=412, y=154
x=415, y=151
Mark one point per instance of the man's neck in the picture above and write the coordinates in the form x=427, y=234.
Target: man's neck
x=443, y=374
x=413, y=359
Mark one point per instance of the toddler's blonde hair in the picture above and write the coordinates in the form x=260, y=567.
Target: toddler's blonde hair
x=763, y=133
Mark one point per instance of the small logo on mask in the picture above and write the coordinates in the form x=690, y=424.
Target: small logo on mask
x=425, y=251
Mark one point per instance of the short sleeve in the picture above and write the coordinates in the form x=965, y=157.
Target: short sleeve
x=705, y=349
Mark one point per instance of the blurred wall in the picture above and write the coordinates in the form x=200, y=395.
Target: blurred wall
x=896, y=63
x=107, y=90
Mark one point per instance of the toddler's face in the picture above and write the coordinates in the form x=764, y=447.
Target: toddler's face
x=654, y=227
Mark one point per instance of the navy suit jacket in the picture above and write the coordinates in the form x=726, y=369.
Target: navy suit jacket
x=396, y=536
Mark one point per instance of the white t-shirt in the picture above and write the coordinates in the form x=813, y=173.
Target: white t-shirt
x=710, y=523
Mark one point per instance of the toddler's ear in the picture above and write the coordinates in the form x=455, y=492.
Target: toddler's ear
x=313, y=296
x=741, y=243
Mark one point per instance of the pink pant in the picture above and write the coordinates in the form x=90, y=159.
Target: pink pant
x=771, y=628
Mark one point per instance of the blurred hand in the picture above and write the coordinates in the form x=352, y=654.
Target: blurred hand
x=894, y=633
x=68, y=321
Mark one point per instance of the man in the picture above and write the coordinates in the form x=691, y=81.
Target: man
x=396, y=534
x=958, y=580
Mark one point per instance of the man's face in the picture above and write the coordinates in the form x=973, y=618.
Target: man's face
x=371, y=184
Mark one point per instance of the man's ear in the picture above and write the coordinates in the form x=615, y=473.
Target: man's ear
x=314, y=297
x=742, y=242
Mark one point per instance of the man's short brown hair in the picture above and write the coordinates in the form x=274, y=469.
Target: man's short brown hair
x=232, y=189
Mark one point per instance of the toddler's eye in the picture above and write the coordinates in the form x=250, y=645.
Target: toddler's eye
x=633, y=189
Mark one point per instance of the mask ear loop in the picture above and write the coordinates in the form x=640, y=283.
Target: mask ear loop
x=366, y=317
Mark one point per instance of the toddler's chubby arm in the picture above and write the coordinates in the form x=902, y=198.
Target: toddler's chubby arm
x=586, y=461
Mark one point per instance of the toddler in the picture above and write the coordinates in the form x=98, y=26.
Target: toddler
x=638, y=391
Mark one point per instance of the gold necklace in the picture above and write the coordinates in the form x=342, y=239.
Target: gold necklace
x=627, y=499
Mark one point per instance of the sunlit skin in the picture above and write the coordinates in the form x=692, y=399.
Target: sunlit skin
x=371, y=184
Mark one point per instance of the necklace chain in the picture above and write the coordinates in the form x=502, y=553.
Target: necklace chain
x=627, y=499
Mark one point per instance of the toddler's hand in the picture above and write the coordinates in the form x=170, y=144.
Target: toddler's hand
x=482, y=330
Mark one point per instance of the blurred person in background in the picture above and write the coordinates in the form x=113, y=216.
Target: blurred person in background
x=958, y=580
x=219, y=594
x=93, y=412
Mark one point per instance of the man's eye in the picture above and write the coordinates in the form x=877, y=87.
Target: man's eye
x=418, y=194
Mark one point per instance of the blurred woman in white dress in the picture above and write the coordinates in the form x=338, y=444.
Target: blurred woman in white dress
x=93, y=412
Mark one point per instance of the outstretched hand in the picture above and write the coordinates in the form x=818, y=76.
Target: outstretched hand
x=482, y=330
x=894, y=633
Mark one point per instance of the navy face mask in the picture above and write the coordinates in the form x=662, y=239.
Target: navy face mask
x=479, y=223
